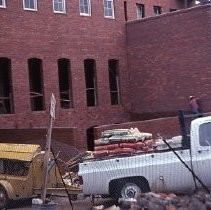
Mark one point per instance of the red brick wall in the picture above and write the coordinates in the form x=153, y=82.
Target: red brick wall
x=49, y=36
x=38, y=135
x=169, y=60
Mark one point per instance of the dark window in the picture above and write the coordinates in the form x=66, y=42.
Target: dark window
x=114, y=81
x=90, y=138
x=14, y=167
x=125, y=10
x=140, y=11
x=173, y=10
x=157, y=10
x=65, y=88
x=90, y=78
x=36, y=84
x=6, y=100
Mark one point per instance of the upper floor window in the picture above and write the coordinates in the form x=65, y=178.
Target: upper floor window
x=157, y=10
x=30, y=5
x=140, y=11
x=109, y=9
x=2, y=4
x=85, y=7
x=59, y=6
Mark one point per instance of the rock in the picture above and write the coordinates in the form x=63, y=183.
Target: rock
x=195, y=204
x=101, y=207
x=208, y=204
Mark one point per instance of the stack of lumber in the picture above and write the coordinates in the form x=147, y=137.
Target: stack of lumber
x=123, y=141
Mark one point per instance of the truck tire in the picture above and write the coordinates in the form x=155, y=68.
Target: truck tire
x=3, y=198
x=129, y=190
x=129, y=187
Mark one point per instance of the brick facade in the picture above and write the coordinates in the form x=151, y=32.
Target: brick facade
x=48, y=36
x=172, y=63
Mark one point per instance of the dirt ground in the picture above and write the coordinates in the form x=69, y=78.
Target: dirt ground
x=63, y=204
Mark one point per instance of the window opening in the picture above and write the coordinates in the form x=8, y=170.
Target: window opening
x=14, y=167
x=6, y=100
x=59, y=6
x=2, y=4
x=90, y=138
x=30, y=5
x=205, y=134
x=140, y=11
x=157, y=10
x=64, y=83
x=173, y=10
x=36, y=84
x=90, y=78
x=85, y=7
x=125, y=10
x=114, y=81
x=109, y=9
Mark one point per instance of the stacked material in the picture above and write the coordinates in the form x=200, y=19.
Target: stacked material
x=175, y=142
x=123, y=141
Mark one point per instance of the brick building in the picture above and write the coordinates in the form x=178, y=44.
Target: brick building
x=102, y=64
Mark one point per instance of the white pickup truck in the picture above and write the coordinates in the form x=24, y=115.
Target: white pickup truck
x=159, y=171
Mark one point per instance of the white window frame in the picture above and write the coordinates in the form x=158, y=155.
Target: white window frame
x=59, y=2
x=31, y=9
x=3, y=5
x=158, y=9
x=89, y=8
x=106, y=8
x=140, y=11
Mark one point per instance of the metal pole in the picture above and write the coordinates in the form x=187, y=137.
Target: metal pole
x=46, y=161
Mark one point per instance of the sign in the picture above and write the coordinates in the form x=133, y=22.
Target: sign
x=53, y=106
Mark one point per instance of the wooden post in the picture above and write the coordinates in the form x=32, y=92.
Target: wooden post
x=47, y=149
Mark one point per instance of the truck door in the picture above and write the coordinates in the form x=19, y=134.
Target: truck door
x=202, y=155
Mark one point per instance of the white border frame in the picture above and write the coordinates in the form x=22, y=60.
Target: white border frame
x=89, y=9
x=30, y=9
x=64, y=8
x=3, y=4
x=112, y=6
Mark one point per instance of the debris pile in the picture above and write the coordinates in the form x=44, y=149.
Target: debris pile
x=161, y=201
x=123, y=141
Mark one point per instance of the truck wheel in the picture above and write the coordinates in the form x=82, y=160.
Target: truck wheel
x=3, y=198
x=130, y=190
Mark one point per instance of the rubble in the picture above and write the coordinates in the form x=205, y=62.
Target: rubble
x=161, y=201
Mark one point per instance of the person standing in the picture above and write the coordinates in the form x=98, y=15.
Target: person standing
x=193, y=105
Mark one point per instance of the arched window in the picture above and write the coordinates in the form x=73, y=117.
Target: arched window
x=113, y=68
x=65, y=83
x=90, y=78
x=6, y=96
x=36, y=84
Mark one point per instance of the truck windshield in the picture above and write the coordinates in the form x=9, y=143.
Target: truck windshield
x=14, y=167
x=205, y=134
